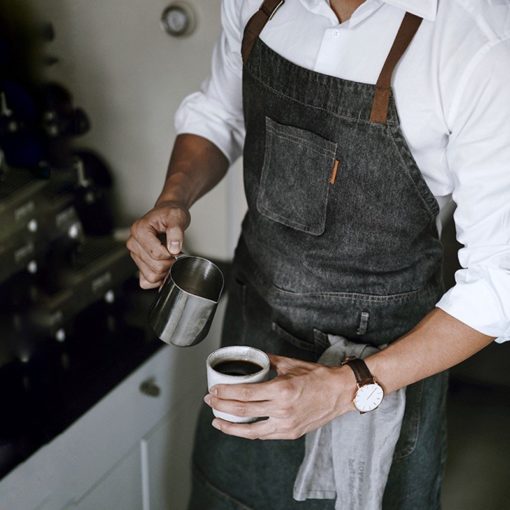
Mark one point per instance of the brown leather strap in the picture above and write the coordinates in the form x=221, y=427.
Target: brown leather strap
x=257, y=23
x=406, y=32
x=361, y=371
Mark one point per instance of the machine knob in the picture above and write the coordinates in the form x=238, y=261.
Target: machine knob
x=32, y=267
x=150, y=388
x=32, y=225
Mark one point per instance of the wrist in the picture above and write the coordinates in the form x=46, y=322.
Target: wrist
x=344, y=387
x=377, y=367
x=177, y=191
x=171, y=201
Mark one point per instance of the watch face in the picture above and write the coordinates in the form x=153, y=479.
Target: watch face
x=368, y=397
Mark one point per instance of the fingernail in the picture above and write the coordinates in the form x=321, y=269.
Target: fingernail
x=207, y=400
x=175, y=247
x=216, y=424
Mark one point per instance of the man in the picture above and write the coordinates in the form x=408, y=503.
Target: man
x=360, y=124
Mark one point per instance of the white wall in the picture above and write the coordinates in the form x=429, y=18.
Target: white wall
x=130, y=77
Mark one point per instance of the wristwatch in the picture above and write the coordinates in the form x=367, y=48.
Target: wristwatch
x=369, y=393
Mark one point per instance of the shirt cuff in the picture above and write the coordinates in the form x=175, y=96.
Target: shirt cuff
x=481, y=299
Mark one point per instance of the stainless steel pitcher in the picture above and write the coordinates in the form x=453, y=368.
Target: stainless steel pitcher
x=184, y=309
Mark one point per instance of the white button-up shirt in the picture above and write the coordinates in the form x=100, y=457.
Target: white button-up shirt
x=452, y=91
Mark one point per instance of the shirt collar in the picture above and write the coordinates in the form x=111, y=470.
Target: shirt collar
x=426, y=9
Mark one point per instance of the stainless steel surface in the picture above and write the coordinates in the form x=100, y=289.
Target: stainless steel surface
x=184, y=309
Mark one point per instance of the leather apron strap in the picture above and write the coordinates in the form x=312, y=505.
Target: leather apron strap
x=405, y=34
x=257, y=23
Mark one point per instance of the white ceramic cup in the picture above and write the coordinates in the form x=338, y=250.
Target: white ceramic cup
x=236, y=352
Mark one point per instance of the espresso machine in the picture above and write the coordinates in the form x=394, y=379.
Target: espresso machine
x=70, y=307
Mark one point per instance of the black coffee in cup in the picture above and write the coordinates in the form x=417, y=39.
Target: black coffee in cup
x=237, y=367
x=236, y=364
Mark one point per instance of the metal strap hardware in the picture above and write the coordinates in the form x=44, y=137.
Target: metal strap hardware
x=272, y=8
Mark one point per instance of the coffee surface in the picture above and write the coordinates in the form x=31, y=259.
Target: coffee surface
x=237, y=367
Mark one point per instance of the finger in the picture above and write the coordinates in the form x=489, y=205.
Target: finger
x=248, y=409
x=256, y=430
x=148, y=279
x=160, y=267
x=146, y=235
x=269, y=390
x=273, y=428
x=148, y=273
x=144, y=284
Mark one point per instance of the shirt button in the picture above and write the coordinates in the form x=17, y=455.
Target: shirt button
x=336, y=33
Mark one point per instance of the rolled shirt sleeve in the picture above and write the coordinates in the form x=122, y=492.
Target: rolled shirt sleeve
x=478, y=155
x=215, y=112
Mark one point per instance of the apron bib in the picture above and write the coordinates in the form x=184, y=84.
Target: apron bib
x=340, y=237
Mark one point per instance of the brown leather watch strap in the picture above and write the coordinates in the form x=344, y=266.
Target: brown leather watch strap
x=361, y=371
x=257, y=23
x=406, y=32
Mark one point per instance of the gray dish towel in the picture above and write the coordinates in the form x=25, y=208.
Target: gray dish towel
x=349, y=458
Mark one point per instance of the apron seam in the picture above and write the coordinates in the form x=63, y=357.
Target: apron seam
x=351, y=118
x=321, y=79
x=323, y=151
x=431, y=208
x=355, y=296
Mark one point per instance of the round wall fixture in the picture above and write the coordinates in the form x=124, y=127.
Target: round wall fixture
x=178, y=19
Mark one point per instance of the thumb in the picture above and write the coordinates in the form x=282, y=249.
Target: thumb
x=176, y=221
x=280, y=364
x=174, y=240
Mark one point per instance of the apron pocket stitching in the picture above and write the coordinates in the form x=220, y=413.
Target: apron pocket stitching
x=293, y=340
x=322, y=150
x=275, y=216
x=296, y=135
x=291, y=161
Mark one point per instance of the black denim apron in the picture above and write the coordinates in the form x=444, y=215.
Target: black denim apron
x=340, y=237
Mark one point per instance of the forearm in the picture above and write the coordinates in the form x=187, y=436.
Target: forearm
x=196, y=166
x=437, y=343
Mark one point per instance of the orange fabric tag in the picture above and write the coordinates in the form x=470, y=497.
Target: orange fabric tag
x=334, y=170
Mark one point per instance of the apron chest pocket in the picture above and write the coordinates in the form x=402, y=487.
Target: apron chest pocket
x=295, y=177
